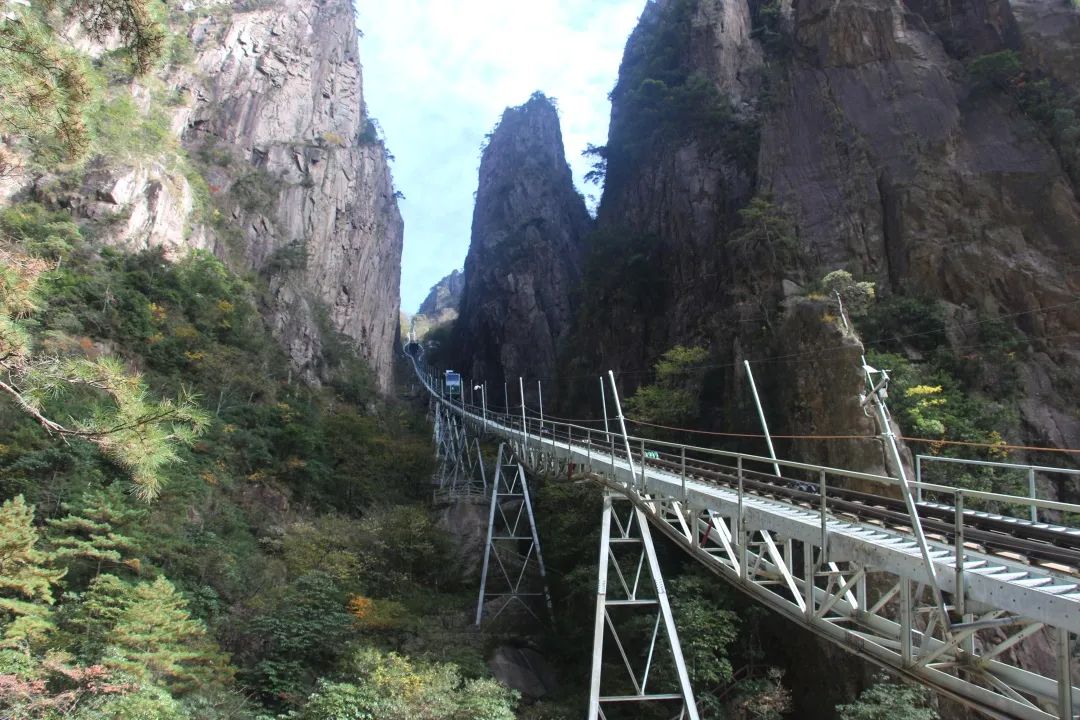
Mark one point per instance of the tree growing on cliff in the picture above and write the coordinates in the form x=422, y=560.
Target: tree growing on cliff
x=856, y=296
x=766, y=243
x=675, y=397
x=140, y=434
x=43, y=83
x=599, y=156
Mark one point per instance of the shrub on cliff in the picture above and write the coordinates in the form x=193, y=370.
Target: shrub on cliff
x=675, y=397
x=389, y=686
x=890, y=701
x=998, y=69
x=44, y=85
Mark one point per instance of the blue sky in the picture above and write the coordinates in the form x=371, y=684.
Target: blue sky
x=439, y=73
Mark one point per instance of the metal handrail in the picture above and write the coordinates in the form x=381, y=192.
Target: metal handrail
x=515, y=425
x=1001, y=497
x=990, y=463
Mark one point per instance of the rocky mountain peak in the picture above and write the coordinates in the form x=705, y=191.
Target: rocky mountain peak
x=444, y=295
x=265, y=156
x=526, y=250
x=282, y=84
x=440, y=307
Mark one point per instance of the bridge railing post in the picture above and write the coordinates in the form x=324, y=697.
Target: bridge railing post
x=1031, y=494
x=682, y=471
x=588, y=449
x=958, y=545
x=918, y=479
x=643, y=465
x=739, y=519
x=611, y=439
x=823, y=489
x=1064, y=653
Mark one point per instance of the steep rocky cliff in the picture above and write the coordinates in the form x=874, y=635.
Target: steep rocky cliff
x=284, y=92
x=926, y=146
x=898, y=167
x=263, y=154
x=444, y=295
x=440, y=307
x=524, y=259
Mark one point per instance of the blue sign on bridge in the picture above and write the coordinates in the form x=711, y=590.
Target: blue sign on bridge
x=453, y=382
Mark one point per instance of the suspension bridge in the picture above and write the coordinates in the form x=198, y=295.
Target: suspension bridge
x=982, y=607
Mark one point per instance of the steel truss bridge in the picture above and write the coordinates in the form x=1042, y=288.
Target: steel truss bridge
x=952, y=599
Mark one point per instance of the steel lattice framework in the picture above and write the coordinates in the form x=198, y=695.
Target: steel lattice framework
x=461, y=473
x=510, y=575
x=627, y=552
x=940, y=612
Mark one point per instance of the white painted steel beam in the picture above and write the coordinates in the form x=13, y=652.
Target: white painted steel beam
x=633, y=594
x=812, y=568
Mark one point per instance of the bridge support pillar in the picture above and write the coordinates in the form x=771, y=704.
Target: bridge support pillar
x=513, y=569
x=623, y=665
x=461, y=473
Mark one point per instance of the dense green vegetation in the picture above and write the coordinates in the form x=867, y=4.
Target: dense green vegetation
x=675, y=397
x=890, y=701
x=944, y=396
x=289, y=553
x=190, y=531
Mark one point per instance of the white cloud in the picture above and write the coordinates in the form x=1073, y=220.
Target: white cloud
x=438, y=75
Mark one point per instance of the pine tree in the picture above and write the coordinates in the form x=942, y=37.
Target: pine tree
x=42, y=81
x=93, y=533
x=139, y=433
x=26, y=577
x=155, y=638
x=90, y=623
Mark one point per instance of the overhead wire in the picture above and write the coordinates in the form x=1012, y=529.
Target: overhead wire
x=817, y=353
x=837, y=348
x=931, y=441
x=750, y=435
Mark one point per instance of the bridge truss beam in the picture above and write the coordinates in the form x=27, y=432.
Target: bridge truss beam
x=861, y=586
x=513, y=569
x=626, y=547
x=461, y=474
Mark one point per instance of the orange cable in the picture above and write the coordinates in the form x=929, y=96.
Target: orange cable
x=931, y=441
x=991, y=445
x=754, y=435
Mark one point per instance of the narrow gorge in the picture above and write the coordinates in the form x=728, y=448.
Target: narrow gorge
x=759, y=371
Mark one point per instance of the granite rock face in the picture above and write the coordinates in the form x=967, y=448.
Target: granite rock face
x=894, y=168
x=270, y=112
x=886, y=160
x=445, y=295
x=440, y=307
x=526, y=250
x=281, y=87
